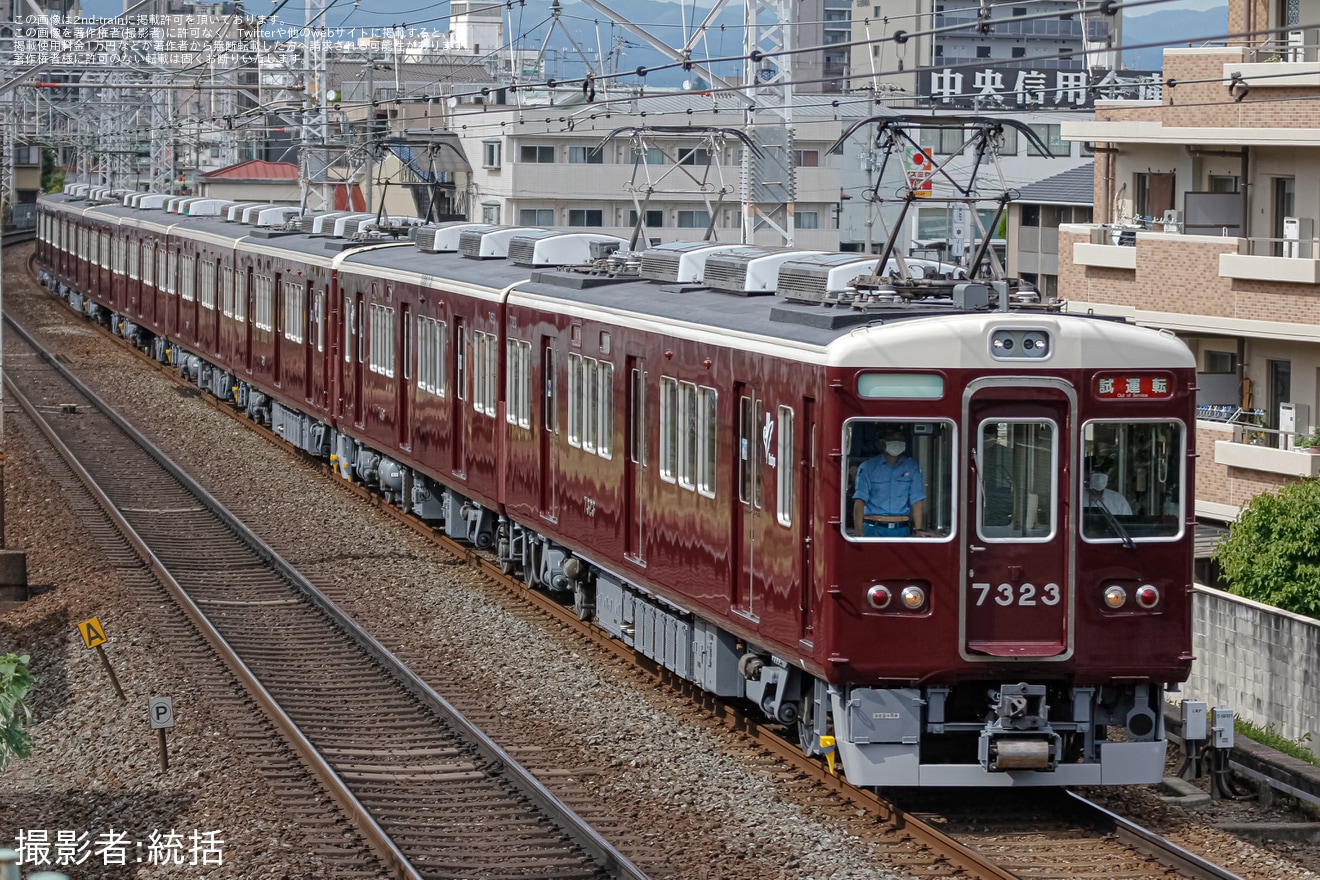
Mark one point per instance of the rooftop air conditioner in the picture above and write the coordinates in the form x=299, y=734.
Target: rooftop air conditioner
x=491, y=243
x=545, y=247
x=443, y=239
x=683, y=262
x=749, y=271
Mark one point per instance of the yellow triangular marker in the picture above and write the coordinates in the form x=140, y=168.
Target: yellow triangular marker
x=827, y=745
x=93, y=634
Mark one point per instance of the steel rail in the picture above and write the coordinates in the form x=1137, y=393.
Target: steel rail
x=600, y=850
x=1165, y=852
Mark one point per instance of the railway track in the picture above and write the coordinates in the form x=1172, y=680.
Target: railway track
x=428, y=792
x=994, y=843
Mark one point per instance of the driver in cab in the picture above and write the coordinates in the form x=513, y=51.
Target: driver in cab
x=889, y=494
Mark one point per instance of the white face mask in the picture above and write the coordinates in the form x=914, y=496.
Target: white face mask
x=895, y=448
x=1099, y=482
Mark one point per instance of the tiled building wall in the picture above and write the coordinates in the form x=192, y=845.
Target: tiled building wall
x=1181, y=275
x=1261, y=662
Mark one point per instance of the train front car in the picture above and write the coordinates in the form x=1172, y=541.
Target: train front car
x=1007, y=591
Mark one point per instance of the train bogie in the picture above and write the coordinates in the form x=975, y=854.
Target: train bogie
x=946, y=543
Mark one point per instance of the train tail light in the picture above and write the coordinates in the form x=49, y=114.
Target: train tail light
x=1148, y=596
x=879, y=596
x=913, y=597
x=1115, y=597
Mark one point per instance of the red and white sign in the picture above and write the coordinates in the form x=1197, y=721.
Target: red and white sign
x=1133, y=386
x=919, y=169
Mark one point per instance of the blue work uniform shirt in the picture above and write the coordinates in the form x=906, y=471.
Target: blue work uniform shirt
x=889, y=489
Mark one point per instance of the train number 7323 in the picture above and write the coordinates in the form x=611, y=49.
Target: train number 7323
x=1022, y=594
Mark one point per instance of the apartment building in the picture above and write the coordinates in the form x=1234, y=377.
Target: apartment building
x=1207, y=207
x=580, y=165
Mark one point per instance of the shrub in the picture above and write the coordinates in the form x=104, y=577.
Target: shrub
x=15, y=680
x=1272, y=553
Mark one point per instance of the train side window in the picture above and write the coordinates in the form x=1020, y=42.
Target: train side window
x=149, y=265
x=105, y=250
x=785, y=467
x=589, y=403
x=550, y=416
x=211, y=275
x=133, y=256
x=707, y=435
x=668, y=429
x=262, y=313
x=295, y=295
x=187, y=268
x=605, y=406
x=749, y=451
x=1132, y=480
x=241, y=295
x=687, y=435
x=574, y=399
x=172, y=272
x=1017, y=463
x=637, y=422
x=893, y=493
x=348, y=328
x=460, y=361
x=320, y=313
x=227, y=291
x=431, y=356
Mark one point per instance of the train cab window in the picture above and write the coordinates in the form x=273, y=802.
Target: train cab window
x=899, y=480
x=1016, y=464
x=1132, y=487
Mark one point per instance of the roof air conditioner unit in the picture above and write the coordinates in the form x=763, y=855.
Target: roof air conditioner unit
x=749, y=271
x=276, y=216
x=545, y=247
x=492, y=243
x=821, y=277
x=236, y=212
x=682, y=262
x=152, y=201
x=443, y=239
x=345, y=221
x=208, y=207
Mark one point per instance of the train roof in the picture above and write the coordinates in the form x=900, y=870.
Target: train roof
x=839, y=334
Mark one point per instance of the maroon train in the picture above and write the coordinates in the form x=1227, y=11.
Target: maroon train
x=671, y=440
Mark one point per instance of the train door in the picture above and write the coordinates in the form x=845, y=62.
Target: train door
x=634, y=485
x=279, y=303
x=245, y=299
x=1017, y=589
x=403, y=385
x=359, y=345
x=549, y=479
x=747, y=519
x=458, y=413
x=313, y=341
x=805, y=466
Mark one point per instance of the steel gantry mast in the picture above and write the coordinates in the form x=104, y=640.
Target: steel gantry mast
x=768, y=179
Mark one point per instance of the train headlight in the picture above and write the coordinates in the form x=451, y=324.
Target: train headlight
x=879, y=596
x=1115, y=596
x=1148, y=596
x=913, y=597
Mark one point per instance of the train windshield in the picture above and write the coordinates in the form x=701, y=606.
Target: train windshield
x=900, y=479
x=1132, y=487
x=1016, y=467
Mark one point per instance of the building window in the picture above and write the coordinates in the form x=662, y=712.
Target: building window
x=806, y=158
x=536, y=154
x=1223, y=183
x=1052, y=137
x=1220, y=362
x=586, y=156
x=982, y=51
x=656, y=156
x=654, y=219
x=693, y=219
x=490, y=213
x=807, y=220
x=431, y=356
x=693, y=156
x=536, y=217
x=1019, y=52
x=586, y=217
x=491, y=154
x=1031, y=215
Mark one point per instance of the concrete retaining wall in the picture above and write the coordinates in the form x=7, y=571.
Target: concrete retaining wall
x=1259, y=661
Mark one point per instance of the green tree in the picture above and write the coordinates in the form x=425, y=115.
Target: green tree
x=52, y=176
x=15, y=680
x=1272, y=553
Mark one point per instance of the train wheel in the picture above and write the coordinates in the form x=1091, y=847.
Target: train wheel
x=806, y=724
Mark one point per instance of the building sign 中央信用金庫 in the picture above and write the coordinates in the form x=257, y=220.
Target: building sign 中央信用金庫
x=987, y=88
